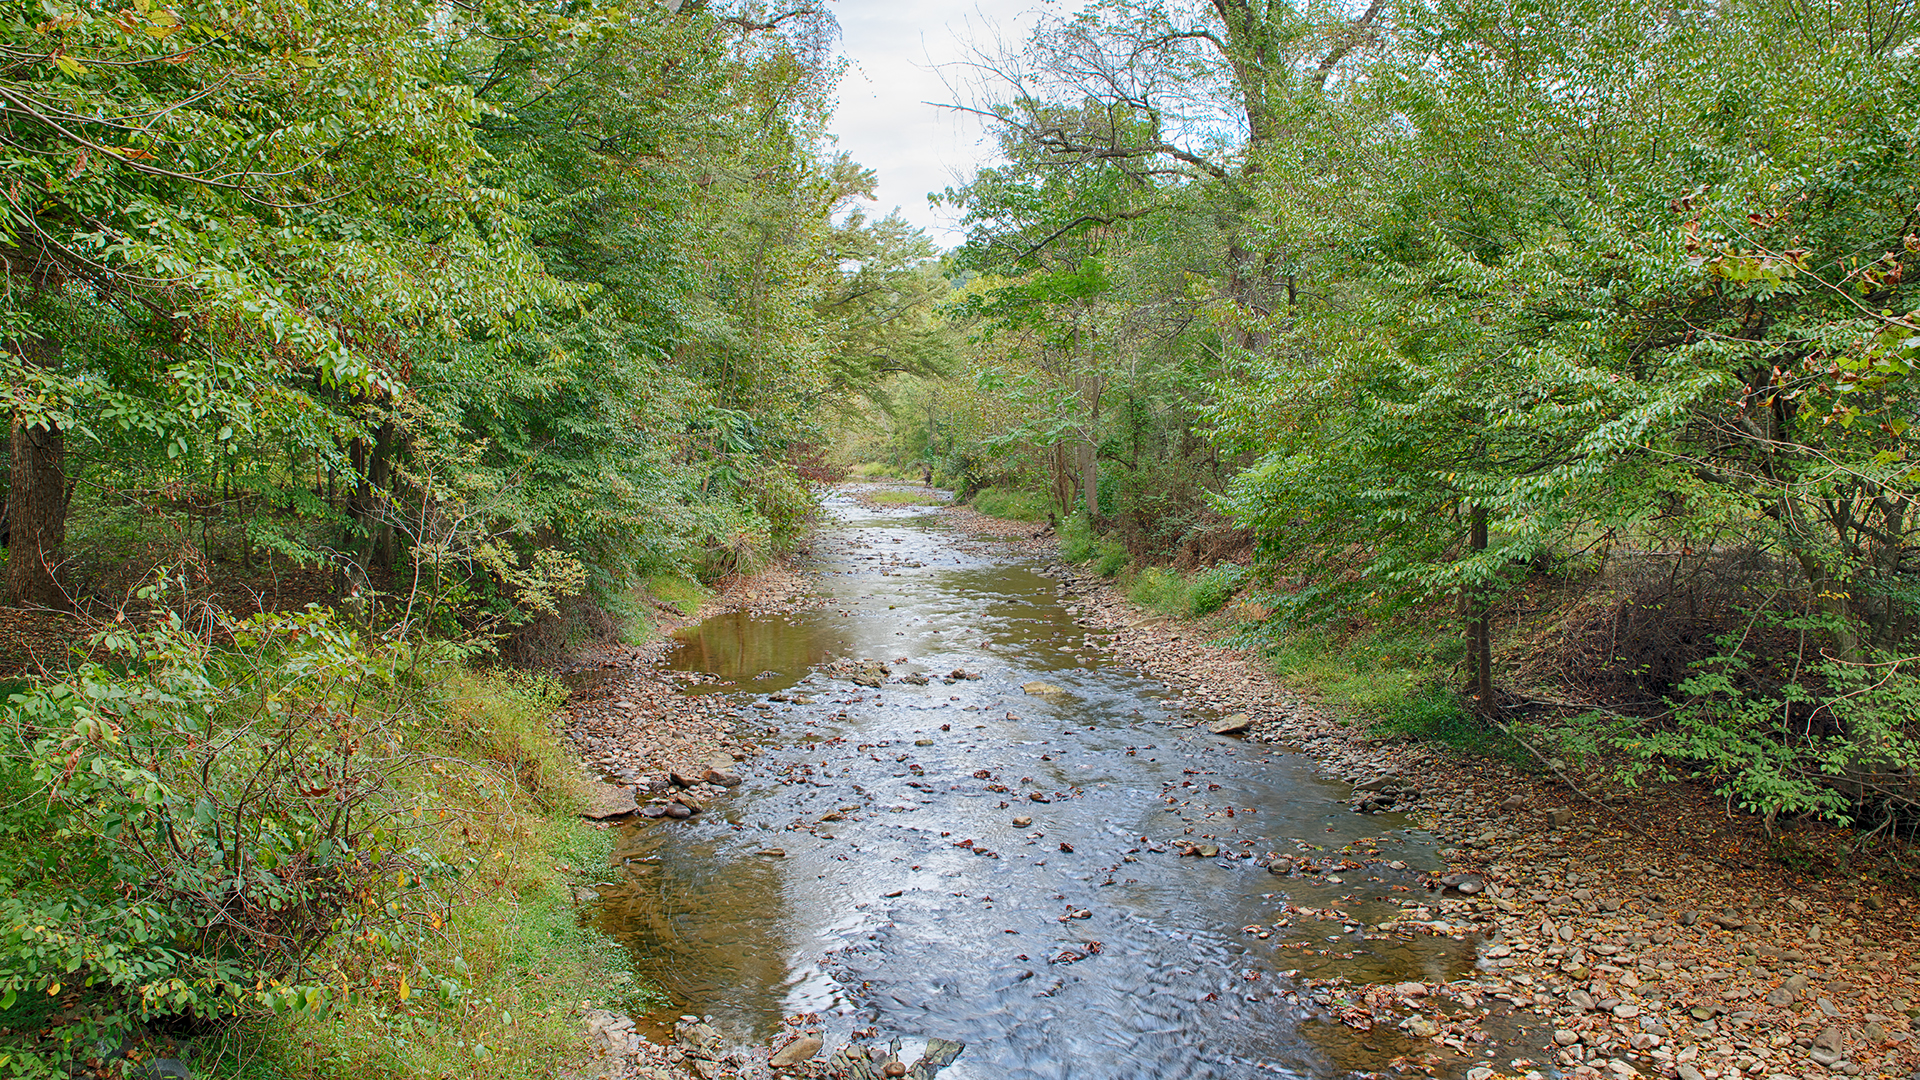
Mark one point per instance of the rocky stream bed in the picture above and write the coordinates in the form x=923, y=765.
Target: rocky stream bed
x=827, y=845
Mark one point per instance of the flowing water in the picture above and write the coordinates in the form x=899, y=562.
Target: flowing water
x=872, y=871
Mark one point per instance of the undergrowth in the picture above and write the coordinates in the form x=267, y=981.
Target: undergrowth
x=300, y=854
x=1013, y=504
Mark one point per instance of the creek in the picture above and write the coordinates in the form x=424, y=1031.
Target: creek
x=969, y=860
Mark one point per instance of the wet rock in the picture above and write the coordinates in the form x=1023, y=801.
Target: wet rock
x=1231, y=725
x=678, y=811
x=682, y=780
x=723, y=779
x=1042, y=689
x=654, y=810
x=1207, y=851
x=1422, y=1028
x=795, y=1052
x=1464, y=884
x=1022, y=822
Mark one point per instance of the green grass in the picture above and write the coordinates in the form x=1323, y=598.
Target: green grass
x=1394, y=679
x=1372, y=671
x=682, y=594
x=1187, y=596
x=878, y=470
x=1013, y=504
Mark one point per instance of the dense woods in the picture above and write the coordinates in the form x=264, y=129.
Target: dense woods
x=1582, y=330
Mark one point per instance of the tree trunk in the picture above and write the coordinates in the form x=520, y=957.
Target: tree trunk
x=1062, y=480
x=36, y=515
x=1480, y=620
x=37, y=497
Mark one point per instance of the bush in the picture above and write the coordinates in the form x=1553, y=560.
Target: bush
x=1013, y=504
x=1110, y=557
x=1213, y=588
x=190, y=830
x=1077, y=541
x=1839, y=743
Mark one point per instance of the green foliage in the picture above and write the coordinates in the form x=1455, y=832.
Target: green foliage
x=1012, y=504
x=273, y=834
x=1435, y=714
x=1077, y=540
x=1212, y=589
x=1110, y=557
x=1835, y=743
x=1189, y=596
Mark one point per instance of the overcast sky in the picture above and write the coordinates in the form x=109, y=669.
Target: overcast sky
x=896, y=48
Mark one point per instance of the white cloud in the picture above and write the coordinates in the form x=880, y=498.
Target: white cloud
x=897, y=49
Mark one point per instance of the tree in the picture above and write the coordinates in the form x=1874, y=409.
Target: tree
x=284, y=195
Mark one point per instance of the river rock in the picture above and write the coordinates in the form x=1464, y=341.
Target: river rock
x=1042, y=689
x=679, y=810
x=606, y=802
x=1829, y=1046
x=795, y=1052
x=720, y=777
x=1422, y=1028
x=1231, y=725
x=1022, y=822
x=1559, y=817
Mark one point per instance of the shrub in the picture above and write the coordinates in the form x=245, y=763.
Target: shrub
x=1212, y=589
x=189, y=827
x=1077, y=541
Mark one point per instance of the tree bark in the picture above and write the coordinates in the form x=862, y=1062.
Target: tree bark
x=36, y=515
x=37, y=498
x=1480, y=620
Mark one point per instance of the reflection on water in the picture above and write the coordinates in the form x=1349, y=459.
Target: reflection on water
x=963, y=860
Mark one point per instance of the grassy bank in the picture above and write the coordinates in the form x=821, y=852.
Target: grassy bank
x=1392, y=677
x=296, y=855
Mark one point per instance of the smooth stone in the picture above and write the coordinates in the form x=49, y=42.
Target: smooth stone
x=1422, y=1028
x=607, y=802
x=1042, y=689
x=1022, y=822
x=679, y=811
x=1232, y=725
x=795, y=1052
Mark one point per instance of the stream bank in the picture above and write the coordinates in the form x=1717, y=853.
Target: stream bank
x=1587, y=950
x=1643, y=930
